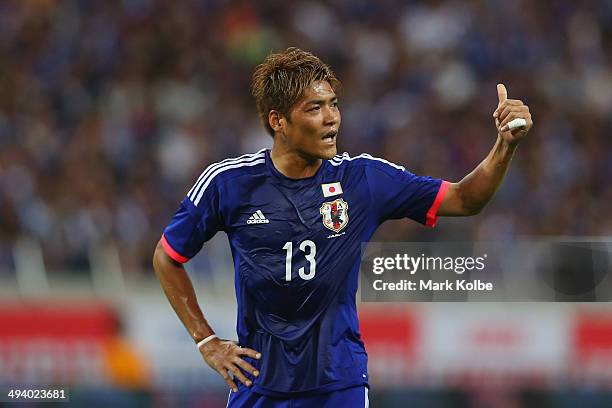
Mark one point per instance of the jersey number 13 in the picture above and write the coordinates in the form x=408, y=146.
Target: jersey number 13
x=310, y=250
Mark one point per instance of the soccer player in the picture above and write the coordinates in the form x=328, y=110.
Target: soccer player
x=295, y=217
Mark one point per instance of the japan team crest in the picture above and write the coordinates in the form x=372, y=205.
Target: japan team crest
x=335, y=214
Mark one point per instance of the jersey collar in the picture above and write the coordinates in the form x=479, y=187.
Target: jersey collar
x=290, y=182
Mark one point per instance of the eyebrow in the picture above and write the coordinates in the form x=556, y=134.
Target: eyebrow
x=321, y=101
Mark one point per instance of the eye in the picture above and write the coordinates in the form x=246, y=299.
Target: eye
x=316, y=108
x=335, y=104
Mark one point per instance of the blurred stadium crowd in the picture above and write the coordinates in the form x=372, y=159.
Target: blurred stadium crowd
x=110, y=109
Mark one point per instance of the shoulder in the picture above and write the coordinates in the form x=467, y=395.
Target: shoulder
x=223, y=171
x=365, y=160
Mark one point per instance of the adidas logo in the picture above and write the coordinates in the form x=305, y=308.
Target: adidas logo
x=257, y=218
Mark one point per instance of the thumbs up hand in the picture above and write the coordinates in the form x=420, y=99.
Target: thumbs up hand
x=512, y=117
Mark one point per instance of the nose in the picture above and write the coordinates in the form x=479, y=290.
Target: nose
x=331, y=116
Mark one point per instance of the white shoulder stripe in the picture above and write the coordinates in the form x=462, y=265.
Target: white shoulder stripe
x=209, y=173
x=339, y=157
x=222, y=169
x=214, y=166
x=338, y=161
x=201, y=180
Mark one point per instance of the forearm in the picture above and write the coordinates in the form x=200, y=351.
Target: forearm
x=180, y=293
x=470, y=195
x=477, y=188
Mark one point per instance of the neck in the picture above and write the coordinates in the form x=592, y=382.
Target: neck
x=293, y=164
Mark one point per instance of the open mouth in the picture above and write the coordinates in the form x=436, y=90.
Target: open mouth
x=330, y=136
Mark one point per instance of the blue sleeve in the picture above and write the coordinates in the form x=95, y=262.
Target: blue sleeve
x=192, y=226
x=397, y=193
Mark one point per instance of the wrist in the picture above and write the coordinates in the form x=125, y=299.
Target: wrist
x=206, y=340
x=505, y=147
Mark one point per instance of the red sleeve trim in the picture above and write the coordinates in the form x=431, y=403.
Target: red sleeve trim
x=171, y=252
x=432, y=214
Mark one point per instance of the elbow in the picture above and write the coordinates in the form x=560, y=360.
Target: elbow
x=475, y=211
x=473, y=208
x=467, y=204
x=472, y=201
x=161, y=259
x=460, y=201
x=157, y=254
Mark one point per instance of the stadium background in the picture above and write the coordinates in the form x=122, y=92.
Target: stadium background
x=110, y=109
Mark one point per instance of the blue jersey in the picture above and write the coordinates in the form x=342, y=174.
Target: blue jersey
x=296, y=247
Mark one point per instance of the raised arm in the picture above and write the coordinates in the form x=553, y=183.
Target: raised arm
x=474, y=191
x=222, y=356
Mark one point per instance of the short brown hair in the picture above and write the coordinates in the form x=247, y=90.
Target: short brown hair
x=281, y=80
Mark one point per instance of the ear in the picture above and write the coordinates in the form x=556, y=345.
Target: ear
x=276, y=121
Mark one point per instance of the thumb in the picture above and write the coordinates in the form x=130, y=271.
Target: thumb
x=502, y=93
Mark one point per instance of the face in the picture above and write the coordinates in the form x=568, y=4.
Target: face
x=314, y=122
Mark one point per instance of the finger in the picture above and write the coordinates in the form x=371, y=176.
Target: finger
x=513, y=115
x=502, y=93
x=245, y=366
x=227, y=378
x=249, y=352
x=508, y=102
x=238, y=374
x=503, y=123
x=502, y=115
x=516, y=124
x=509, y=109
x=511, y=125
